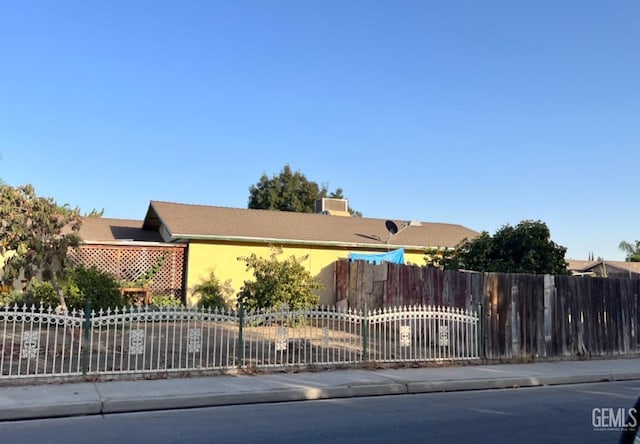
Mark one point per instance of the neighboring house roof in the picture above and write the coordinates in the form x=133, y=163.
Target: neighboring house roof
x=601, y=267
x=631, y=266
x=578, y=265
x=180, y=222
x=102, y=229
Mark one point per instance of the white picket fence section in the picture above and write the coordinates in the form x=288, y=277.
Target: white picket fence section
x=38, y=342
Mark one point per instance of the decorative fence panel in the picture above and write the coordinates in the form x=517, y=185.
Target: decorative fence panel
x=320, y=336
x=421, y=333
x=39, y=342
x=130, y=263
x=135, y=340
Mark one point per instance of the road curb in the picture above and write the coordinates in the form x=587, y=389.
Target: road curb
x=577, y=379
x=51, y=411
x=259, y=397
x=629, y=376
x=380, y=389
x=54, y=401
x=472, y=384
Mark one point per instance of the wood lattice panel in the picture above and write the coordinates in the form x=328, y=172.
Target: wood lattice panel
x=129, y=263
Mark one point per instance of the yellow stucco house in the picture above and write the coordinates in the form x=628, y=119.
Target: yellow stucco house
x=203, y=238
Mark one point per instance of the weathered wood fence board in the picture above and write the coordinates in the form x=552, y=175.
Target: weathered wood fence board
x=523, y=315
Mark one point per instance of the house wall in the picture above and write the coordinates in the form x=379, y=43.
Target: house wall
x=222, y=258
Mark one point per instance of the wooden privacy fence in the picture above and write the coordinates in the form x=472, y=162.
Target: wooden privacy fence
x=389, y=285
x=523, y=316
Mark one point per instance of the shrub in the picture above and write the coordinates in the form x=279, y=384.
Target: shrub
x=40, y=294
x=278, y=282
x=165, y=301
x=100, y=289
x=79, y=285
x=213, y=294
x=9, y=298
x=44, y=296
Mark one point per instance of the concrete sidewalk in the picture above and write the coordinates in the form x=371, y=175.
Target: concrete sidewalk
x=87, y=398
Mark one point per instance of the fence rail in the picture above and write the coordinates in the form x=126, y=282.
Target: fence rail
x=38, y=342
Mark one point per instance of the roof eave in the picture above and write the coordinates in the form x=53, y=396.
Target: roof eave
x=135, y=242
x=263, y=240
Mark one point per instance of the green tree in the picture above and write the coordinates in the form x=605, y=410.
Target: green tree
x=289, y=191
x=94, y=213
x=442, y=258
x=278, y=282
x=632, y=250
x=36, y=235
x=525, y=248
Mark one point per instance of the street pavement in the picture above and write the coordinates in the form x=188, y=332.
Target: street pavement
x=94, y=398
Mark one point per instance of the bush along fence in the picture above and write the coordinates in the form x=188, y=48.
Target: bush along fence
x=40, y=343
x=524, y=316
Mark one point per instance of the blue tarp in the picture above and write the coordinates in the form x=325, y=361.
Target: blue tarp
x=394, y=257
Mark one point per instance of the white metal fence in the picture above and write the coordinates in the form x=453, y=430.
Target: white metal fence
x=38, y=342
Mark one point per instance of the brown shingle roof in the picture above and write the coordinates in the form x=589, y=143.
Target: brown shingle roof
x=584, y=266
x=578, y=265
x=630, y=266
x=97, y=229
x=185, y=221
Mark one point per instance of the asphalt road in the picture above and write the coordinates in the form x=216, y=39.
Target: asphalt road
x=527, y=415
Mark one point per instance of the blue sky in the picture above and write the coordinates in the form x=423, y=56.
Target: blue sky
x=475, y=113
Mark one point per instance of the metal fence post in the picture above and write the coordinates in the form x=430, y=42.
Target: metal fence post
x=240, y=349
x=479, y=330
x=87, y=337
x=365, y=334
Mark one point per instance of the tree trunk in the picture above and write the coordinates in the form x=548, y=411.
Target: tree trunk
x=63, y=303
